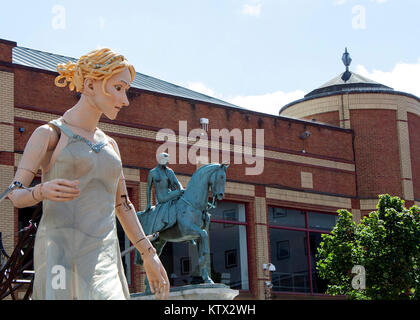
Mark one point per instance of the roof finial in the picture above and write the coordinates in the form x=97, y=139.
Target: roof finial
x=347, y=61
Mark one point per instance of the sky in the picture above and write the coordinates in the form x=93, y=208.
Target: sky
x=257, y=54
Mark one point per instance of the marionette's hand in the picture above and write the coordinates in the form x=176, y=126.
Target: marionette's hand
x=60, y=190
x=156, y=274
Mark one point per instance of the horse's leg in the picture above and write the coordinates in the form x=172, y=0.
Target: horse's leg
x=204, y=259
x=203, y=250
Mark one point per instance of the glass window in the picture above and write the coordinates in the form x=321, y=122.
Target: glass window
x=286, y=217
x=228, y=251
x=287, y=251
x=180, y=260
x=228, y=211
x=322, y=221
x=230, y=262
x=319, y=285
x=228, y=245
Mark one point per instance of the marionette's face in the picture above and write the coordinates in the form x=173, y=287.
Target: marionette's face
x=117, y=87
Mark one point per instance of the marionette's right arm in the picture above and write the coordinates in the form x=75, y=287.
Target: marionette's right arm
x=42, y=140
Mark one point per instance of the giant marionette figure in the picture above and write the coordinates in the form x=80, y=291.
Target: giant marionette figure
x=82, y=190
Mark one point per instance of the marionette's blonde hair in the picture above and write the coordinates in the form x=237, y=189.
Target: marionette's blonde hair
x=99, y=64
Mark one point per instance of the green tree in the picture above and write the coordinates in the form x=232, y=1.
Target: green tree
x=386, y=243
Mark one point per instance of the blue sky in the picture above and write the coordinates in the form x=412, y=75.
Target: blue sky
x=259, y=54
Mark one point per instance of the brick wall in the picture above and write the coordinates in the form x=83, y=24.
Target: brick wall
x=7, y=212
x=6, y=50
x=414, y=133
x=332, y=117
x=376, y=152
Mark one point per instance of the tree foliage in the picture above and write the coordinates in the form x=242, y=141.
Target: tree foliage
x=386, y=243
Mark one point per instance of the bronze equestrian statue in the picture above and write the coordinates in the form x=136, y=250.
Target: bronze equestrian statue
x=182, y=215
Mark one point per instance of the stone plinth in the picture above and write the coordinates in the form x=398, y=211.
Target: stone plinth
x=203, y=291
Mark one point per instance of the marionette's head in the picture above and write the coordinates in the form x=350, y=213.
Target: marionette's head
x=102, y=77
x=163, y=158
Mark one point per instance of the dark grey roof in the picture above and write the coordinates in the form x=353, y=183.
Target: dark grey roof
x=355, y=81
x=49, y=61
x=355, y=84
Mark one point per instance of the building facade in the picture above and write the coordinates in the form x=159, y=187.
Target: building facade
x=337, y=148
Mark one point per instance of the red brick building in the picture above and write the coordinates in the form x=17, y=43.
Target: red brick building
x=339, y=147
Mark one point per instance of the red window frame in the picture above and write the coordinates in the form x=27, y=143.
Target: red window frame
x=307, y=230
x=241, y=223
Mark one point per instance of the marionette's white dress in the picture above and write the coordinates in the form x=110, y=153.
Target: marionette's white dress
x=76, y=252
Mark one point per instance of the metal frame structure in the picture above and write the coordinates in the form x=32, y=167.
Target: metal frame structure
x=12, y=273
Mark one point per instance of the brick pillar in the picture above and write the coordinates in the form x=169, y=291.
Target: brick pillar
x=344, y=111
x=261, y=243
x=355, y=210
x=7, y=212
x=405, y=156
x=6, y=47
x=139, y=273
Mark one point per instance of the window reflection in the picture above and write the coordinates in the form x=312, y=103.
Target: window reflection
x=288, y=255
x=286, y=217
x=322, y=221
x=319, y=285
x=291, y=252
x=228, y=251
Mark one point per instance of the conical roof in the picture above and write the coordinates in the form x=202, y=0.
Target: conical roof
x=346, y=82
x=354, y=83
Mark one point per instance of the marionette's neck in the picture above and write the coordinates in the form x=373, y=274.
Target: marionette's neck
x=84, y=115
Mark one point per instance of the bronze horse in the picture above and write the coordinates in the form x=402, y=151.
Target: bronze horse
x=187, y=218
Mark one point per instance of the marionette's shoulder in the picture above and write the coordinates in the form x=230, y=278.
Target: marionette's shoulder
x=46, y=133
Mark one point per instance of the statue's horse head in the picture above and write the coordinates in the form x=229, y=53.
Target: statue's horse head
x=217, y=181
x=210, y=175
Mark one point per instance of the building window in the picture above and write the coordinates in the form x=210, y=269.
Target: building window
x=292, y=232
x=185, y=265
x=230, y=259
x=228, y=245
x=228, y=251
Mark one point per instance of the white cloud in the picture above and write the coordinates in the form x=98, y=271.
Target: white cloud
x=201, y=87
x=101, y=22
x=270, y=103
x=403, y=77
x=252, y=9
x=341, y=2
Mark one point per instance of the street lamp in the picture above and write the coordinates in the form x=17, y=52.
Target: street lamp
x=268, y=285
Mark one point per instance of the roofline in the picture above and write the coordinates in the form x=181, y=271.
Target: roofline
x=242, y=110
x=348, y=87
x=352, y=91
x=21, y=66
x=222, y=102
x=9, y=42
